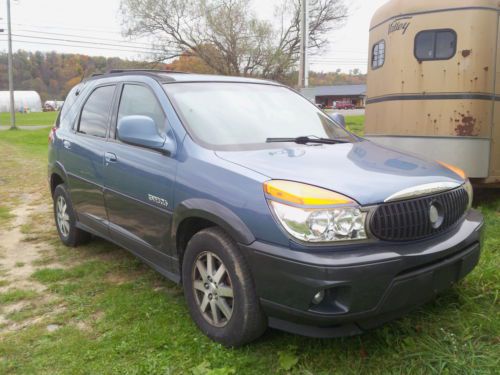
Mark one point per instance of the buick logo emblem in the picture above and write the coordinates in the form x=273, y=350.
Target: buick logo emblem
x=436, y=214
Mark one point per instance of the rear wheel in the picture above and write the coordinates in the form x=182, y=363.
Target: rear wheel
x=65, y=219
x=219, y=289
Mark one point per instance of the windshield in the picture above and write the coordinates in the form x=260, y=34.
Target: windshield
x=244, y=115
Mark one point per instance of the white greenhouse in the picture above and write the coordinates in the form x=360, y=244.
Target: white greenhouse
x=25, y=101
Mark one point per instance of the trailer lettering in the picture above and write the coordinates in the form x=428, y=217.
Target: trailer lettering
x=399, y=24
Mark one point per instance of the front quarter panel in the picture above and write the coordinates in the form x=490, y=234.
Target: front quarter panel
x=215, y=189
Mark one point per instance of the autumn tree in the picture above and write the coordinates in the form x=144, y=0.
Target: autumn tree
x=52, y=74
x=228, y=36
x=189, y=63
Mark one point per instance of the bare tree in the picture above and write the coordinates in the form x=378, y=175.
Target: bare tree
x=227, y=36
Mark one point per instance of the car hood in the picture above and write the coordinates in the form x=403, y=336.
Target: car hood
x=364, y=171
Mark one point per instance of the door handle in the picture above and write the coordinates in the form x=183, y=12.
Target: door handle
x=110, y=157
x=66, y=144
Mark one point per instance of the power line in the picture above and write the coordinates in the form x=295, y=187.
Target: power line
x=85, y=37
x=107, y=31
x=80, y=46
x=84, y=42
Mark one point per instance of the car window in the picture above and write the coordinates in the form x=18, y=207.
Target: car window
x=435, y=44
x=69, y=109
x=378, y=54
x=95, y=114
x=139, y=100
x=223, y=115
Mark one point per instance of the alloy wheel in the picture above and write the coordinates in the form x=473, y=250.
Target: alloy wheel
x=62, y=216
x=213, y=289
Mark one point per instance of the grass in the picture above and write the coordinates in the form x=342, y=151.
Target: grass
x=33, y=142
x=33, y=118
x=355, y=124
x=5, y=214
x=15, y=295
x=117, y=316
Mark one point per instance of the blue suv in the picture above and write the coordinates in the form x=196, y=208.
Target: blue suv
x=267, y=210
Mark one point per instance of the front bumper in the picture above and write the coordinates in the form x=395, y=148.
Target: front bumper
x=365, y=285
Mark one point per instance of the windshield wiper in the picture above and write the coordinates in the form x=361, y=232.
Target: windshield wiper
x=307, y=139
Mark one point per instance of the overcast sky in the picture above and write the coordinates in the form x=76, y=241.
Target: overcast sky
x=97, y=23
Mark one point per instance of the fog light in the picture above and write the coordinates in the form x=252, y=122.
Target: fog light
x=318, y=297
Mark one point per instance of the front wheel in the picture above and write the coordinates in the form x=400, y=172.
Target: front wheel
x=219, y=289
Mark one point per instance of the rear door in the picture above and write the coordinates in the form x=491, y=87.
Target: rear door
x=83, y=155
x=139, y=181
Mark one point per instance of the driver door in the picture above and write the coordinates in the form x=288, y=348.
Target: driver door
x=139, y=181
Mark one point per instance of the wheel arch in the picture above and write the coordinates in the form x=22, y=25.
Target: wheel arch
x=194, y=215
x=57, y=176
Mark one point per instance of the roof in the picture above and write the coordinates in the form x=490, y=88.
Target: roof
x=336, y=90
x=397, y=8
x=173, y=76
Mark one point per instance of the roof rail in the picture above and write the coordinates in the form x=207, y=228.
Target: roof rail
x=145, y=70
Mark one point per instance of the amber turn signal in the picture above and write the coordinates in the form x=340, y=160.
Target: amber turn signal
x=303, y=194
x=452, y=168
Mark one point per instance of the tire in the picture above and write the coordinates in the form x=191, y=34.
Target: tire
x=246, y=320
x=65, y=219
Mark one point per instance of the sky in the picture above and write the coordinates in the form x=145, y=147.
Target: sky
x=93, y=27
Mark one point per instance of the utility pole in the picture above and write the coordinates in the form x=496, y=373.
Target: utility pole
x=304, y=42
x=11, y=75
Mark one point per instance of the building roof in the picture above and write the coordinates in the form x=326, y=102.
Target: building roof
x=22, y=99
x=336, y=90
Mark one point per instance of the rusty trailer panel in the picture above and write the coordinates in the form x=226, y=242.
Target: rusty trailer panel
x=446, y=85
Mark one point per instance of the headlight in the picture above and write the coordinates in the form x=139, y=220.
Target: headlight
x=470, y=192
x=342, y=220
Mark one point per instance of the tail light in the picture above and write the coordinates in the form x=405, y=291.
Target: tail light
x=52, y=134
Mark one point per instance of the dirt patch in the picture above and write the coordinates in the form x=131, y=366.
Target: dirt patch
x=10, y=326
x=15, y=251
x=119, y=278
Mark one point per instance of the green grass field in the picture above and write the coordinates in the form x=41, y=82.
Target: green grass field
x=355, y=124
x=34, y=118
x=115, y=315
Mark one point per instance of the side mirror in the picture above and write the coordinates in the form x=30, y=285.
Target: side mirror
x=338, y=118
x=142, y=131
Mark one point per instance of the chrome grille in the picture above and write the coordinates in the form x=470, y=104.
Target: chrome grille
x=409, y=219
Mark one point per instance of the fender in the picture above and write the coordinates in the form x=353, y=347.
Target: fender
x=57, y=168
x=212, y=211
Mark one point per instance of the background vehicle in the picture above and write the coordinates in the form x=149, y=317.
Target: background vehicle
x=343, y=105
x=434, y=82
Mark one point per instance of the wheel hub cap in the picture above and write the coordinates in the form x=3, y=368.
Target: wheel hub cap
x=62, y=216
x=213, y=289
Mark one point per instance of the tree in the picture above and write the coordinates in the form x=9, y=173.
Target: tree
x=52, y=74
x=227, y=36
x=189, y=63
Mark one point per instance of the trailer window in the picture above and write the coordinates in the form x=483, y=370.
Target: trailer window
x=378, y=54
x=435, y=44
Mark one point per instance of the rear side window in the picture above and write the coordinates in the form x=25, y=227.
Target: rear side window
x=378, y=54
x=139, y=100
x=95, y=114
x=69, y=102
x=435, y=44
